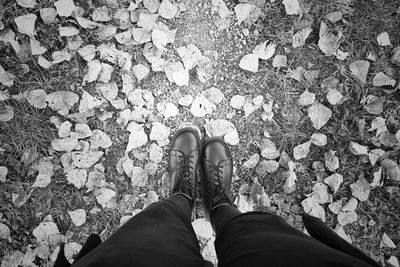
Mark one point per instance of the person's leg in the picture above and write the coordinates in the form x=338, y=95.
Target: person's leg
x=162, y=234
x=256, y=238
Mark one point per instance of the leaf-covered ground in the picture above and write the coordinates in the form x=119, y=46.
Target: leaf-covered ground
x=305, y=92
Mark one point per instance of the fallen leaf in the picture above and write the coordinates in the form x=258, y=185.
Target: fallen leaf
x=331, y=161
x=279, y=61
x=99, y=139
x=393, y=261
x=60, y=56
x=348, y=217
x=48, y=14
x=141, y=71
x=44, y=231
x=168, y=10
x=86, y=159
x=292, y=7
x=334, y=181
x=351, y=205
x=319, y=115
x=265, y=50
x=328, y=42
x=334, y=97
x=101, y=14
x=4, y=232
x=237, y=101
x=392, y=169
x=251, y=162
x=358, y=149
x=203, y=228
x=214, y=95
x=243, y=11
x=64, y=7
x=334, y=16
x=77, y=177
x=141, y=35
x=249, y=62
x=137, y=137
x=27, y=3
x=301, y=151
x=181, y=77
x=78, y=217
x=87, y=52
x=335, y=207
x=306, y=98
x=44, y=63
x=6, y=113
x=383, y=39
x=359, y=69
x=201, y=106
x=139, y=177
x=360, y=189
x=37, y=98
x=64, y=144
x=300, y=37
x=152, y=5
x=159, y=132
x=88, y=102
x=3, y=173
x=26, y=24
x=36, y=47
x=105, y=197
x=269, y=150
x=387, y=242
x=381, y=79
x=6, y=78
x=190, y=55
x=319, y=139
x=46, y=171
x=147, y=21
x=67, y=31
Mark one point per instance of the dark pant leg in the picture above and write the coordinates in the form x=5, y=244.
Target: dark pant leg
x=263, y=239
x=160, y=235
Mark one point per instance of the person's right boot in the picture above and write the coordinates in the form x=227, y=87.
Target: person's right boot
x=216, y=174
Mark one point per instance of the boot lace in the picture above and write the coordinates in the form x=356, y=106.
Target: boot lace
x=216, y=171
x=185, y=172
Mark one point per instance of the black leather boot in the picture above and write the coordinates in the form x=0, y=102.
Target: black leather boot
x=183, y=160
x=216, y=174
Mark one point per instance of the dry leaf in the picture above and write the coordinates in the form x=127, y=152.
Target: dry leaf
x=101, y=14
x=381, y=79
x=249, y=62
x=348, y=217
x=6, y=113
x=358, y=149
x=37, y=98
x=46, y=171
x=319, y=139
x=301, y=151
x=334, y=16
x=335, y=207
x=86, y=159
x=328, y=42
x=387, y=242
x=181, y=77
x=383, y=39
x=141, y=71
x=139, y=177
x=77, y=177
x=27, y=3
x=243, y=11
x=359, y=69
x=88, y=102
x=67, y=31
x=147, y=21
x=306, y=98
x=299, y=38
x=105, y=197
x=108, y=90
x=168, y=10
x=141, y=35
x=36, y=47
x=190, y=55
x=99, y=139
x=64, y=7
x=334, y=97
x=4, y=232
x=60, y=56
x=152, y=5
x=392, y=169
x=351, y=205
x=265, y=50
x=44, y=231
x=203, y=228
x=48, y=14
x=65, y=144
x=331, y=161
x=292, y=7
x=319, y=115
x=3, y=173
x=86, y=23
x=26, y=24
x=201, y=106
x=360, y=189
x=334, y=181
x=279, y=61
x=6, y=78
x=78, y=217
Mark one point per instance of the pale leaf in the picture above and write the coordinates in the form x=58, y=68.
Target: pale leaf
x=319, y=115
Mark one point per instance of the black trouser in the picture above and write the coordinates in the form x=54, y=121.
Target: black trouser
x=162, y=235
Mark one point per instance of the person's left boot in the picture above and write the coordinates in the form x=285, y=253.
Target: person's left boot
x=183, y=160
